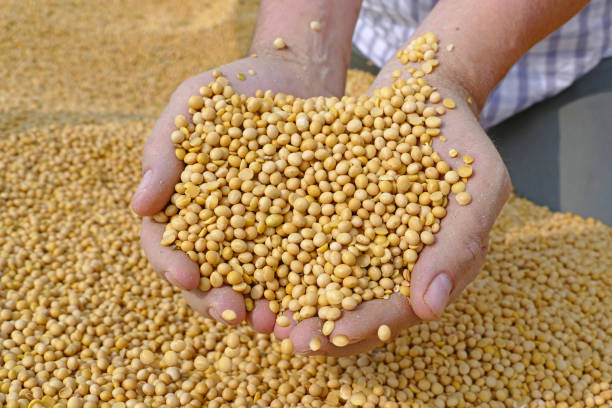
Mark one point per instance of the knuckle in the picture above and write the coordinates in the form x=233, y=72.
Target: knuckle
x=402, y=313
x=500, y=178
x=506, y=184
x=472, y=258
x=475, y=246
x=400, y=305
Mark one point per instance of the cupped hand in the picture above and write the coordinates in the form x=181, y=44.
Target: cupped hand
x=161, y=171
x=442, y=271
x=445, y=268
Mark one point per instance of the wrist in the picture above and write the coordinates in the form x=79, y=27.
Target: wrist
x=318, y=55
x=490, y=37
x=446, y=81
x=325, y=74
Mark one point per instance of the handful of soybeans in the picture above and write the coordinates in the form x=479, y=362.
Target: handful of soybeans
x=314, y=204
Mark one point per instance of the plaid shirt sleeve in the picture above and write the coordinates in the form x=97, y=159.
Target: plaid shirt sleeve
x=548, y=68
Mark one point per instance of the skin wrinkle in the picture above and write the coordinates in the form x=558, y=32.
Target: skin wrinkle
x=320, y=45
x=323, y=59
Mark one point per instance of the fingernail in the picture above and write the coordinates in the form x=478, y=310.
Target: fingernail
x=437, y=295
x=145, y=182
x=172, y=279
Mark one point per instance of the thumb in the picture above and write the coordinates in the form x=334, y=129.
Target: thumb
x=445, y=268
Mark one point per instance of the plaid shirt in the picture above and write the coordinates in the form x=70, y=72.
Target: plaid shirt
x=548, y=68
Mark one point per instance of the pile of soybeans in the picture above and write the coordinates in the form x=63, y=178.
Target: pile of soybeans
x=314, y=204
x=85, y=322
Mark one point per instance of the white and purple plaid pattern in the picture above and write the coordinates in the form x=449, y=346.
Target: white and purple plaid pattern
x=548, y=68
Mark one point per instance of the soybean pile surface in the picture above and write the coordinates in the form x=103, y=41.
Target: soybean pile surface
x=84, y=321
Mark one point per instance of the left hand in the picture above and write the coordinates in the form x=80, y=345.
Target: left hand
x=443, y=269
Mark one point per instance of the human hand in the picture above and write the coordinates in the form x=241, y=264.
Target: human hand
x=445, y=268
x=161, y=171
x=360, y=326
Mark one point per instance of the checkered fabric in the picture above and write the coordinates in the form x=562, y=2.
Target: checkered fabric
x=548, y=68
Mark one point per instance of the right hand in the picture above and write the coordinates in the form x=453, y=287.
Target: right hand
x=161, y=171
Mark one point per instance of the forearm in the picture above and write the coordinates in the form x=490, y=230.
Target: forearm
x=325, y=53
x=490, y=36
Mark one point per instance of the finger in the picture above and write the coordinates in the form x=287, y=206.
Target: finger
x=261, y=318
x=360, y=326
x=363, y=322
x=160, y=167
x=214, y=302
x=353, y=349
x=282, y=333
x=170, y=264
x=446, y=267
x=306, y=330
x=303, y=333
